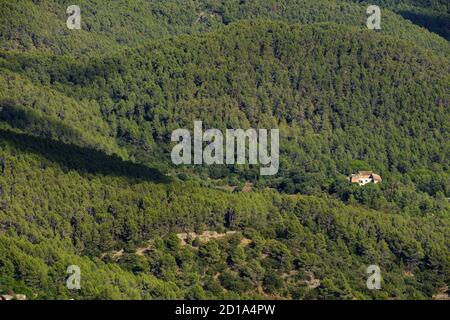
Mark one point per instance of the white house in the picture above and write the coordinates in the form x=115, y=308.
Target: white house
x=364, y=177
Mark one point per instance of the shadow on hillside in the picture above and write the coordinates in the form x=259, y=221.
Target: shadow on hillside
x=36, y=125
x=62, y=70
x=52, y=140
x=81, y=159
x=439, y=24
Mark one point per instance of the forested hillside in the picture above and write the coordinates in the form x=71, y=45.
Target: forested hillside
x=58, y=211
x=86, y=177
x=110, y=25
x=431, y=14
x=337, y=94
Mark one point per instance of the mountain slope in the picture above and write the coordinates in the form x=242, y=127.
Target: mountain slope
x=43, y=111
x=86, y=177
x=431, y=14
x=53, y=215
x=338, y=94
x=109, y=25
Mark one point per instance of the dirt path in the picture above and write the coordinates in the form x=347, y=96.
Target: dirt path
x=204, y=237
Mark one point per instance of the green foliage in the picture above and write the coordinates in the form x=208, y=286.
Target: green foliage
x=85, y=124
x=431, y=14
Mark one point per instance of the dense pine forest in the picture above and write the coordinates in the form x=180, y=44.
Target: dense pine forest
x=86, y=177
